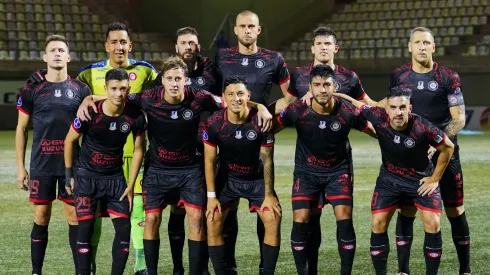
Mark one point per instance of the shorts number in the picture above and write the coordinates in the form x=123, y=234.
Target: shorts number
x=34, y=186
x=82, y=204
x=375, y=199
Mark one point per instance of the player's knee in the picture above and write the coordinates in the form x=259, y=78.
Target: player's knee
x=122, y=226
x=432, y=223
x=42, y=214
x=343, y=212
x=271, y=225
x=454, y=211
x=301, y=215
x=152, y=221
x=379, y=224
x=70, y=214
x=195, y=219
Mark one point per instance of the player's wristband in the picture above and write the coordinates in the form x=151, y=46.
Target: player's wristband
x=211, y=194
x=68, y=176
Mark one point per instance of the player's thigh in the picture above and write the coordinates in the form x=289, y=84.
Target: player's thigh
x=306, y=193
x=430, y=207
x=86, y=197
x=42, y=189
x=451, y=185
x=339, y=191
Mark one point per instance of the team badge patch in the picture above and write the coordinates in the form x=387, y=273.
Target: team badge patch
x=205, y=135
x=335, y=126
x=251, y=135
x=409, y=142
x=337, y=86
x=396, y=139
x=132, y=76
x=19, y=101
x=322, y=125
x=245, y=61
x=433, y=85
x=174, y=115
x=238, y=134
x=189, y=81
x=259, y=63
x=112, y=126
x=438, y=139
x=200, y=81
x=132, y=96
x=77, y=124
x=125, y=127
x=69, y=93
x=57, y=93
x=420, y=85
x=187, y=114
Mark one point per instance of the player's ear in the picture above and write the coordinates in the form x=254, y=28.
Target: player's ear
x=336, y=48
x=259, y=29
x=248, y=94
x=130, y=47
x=235, y=29
x=106, y=45
x=410, y=108
x=68, y=59
x=409, y=46
x=45, y=57
x=176, y=49
x=198, y=48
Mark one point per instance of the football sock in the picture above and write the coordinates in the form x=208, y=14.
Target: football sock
x=230, y=233
x=120, y=245
x=461, y=239
x=39, y=242
x=176, y=238
x=346, y=240
x=314, y=242
x=380, y=248
x=84, y=247
x=271, y=253
x=72, y=238
x=152, y=249
x=217, y=255
x=299, y=245
x=97, y=231
x=432, y=252
x=404, y=237
x=195, y=257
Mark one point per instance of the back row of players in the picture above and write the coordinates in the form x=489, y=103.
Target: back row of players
x=176, y=114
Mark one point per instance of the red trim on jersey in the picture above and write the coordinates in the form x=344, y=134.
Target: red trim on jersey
x=384, y=209
x=86, y=218
x=427, y=209
x=75, y=129
x=302, y=199
x=183, y=202
x=208, y=143
x=279, y=121
x=39, y=201
x=442, y=142
x=140, y=133
x=267, y=145
x=362, y=107
x=284, y=80
x=365, y=128
x=22, y=110
x=338, y=197
x=254, y=208
x=361, y=97
x=115, y=213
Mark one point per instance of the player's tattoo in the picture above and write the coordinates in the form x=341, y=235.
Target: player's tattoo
x=457, y=123
x=266, y=154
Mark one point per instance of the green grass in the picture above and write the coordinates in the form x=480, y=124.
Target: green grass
x=17, y=216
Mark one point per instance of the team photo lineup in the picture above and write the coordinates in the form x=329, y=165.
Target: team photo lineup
x=198, y=134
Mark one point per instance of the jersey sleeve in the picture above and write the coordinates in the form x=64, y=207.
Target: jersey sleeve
x=85, y=75
x=292, y=90
x=358, y=121
x=289, y=115
x=79, y=126
x=375, y=115
x=454, y=93
x=85, y=91
x=434, y=135
x=25, y=102
x=357, y=91
x=216, y=89
x=208, y=101
x=281, y=74
x=393, y=80
x=210, y=133
x=267, y=139
x=135, y=99
x=140, y=125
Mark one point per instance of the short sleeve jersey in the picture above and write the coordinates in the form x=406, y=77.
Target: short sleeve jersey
x=172, y=128
x=404, y=153
x=347, y=82
x=103, y=140
x=261, y=70
x=52, y=106
x=239, y=144
x=321, y=142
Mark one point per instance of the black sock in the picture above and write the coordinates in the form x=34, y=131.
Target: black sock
x=346, y=240
x=299, y=245
x=39, y=242
x=217, y=255
x=404, y=237
x=271, y=253
x=230, y=233
x=314, y=241
x=260, y=237
x=152, y=249
x=461, y=239
x=176, y=238
x=380, y=248
x=432, y=252
x=85, y=231
x=120, y=246
x=195, y=248
x=204, y=256
x=72, y=238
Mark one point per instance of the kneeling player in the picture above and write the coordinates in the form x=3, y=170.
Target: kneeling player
x=406, y=173
x=243, y=151
x=99, y=176
x=322, y=165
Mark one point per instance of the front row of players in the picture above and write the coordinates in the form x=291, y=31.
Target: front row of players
x=322, y=171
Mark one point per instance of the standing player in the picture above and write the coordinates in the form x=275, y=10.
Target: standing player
x=52, y=105
x=246, y=157
x=437, y=97
x=347, y=82
x=323, y=166
x=141, y=74
x=261, y=67
x=406, y=174
x=99, y=176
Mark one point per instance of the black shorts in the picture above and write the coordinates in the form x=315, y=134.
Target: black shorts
x=391, y=193
x=178, y=187
x=451, y=183
x=234, y=189
x=93, y=193
x=312, y=191
x=43, y=189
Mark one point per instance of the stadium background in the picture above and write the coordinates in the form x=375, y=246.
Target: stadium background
x=373, y=40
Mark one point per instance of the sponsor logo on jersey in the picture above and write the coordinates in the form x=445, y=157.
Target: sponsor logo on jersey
x=174, y=115
x=112, y=126
x=335, y=126
x=433, y=85
x=187, y=114
x=200, y=81
x=409, y=142
x=322, y=125
x=259, y=63
x=238, y=134
x=125, y=127
x=420, y=85
x=251, y=135
x=245, y=61
x=57, y=93
x=132, y=76
x=69, y=93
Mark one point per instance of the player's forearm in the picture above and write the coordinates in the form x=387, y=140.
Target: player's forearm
x=255, y=105
x=99, y=97
x=68, y=154
x=138, y=155
x=209, y=166
x=457, y=123
x=21, y=136
x=442, y=162
x=354, y=102
x=381, y=103
x=282, y=103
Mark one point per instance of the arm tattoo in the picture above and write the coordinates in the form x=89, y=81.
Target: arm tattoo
x=456, y=124
x=266, y=156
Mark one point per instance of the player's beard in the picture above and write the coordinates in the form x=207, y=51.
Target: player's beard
x=247, y=43
x=191, y=62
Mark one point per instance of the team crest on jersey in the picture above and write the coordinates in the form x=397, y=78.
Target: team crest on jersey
x=132, y=96
x=322, y=125
x=132, y=76
x=112, y=126
x=420, y=85
x=69, y=93
x=19, y=101
x=251, y=135
x=174, y=115
x=335, y=126
x=396, y=139
x=200, y=81
x=337, y=86
x=438, y=139
x=189, y=81
x=187, y=114
x=57, y=93
x=433, y=85
x=409, y=142
x=238, y=134
x=259, y=63
x=245, y=61
x=77, y=124
x=125, y=127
